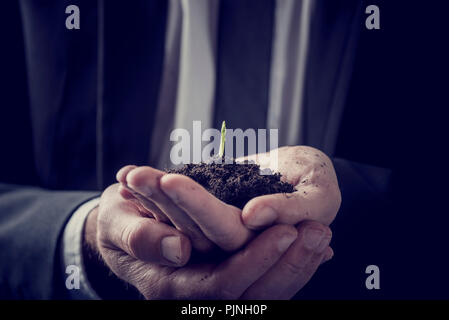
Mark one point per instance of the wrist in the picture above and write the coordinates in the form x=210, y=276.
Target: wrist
x=90, y=232
x=93, y=263
x=72, y=244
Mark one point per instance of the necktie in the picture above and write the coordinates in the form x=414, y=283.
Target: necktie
x=243, y=63
x=129, y=75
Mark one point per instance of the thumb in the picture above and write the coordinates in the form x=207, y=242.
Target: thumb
x=120, y=226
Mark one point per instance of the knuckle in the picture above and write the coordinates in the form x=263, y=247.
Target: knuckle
x=317, y=226
x=327, y=233
x=293, y=268
x=133, y=236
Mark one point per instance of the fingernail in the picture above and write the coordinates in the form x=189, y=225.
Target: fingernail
x=171, y=249
x=313, y=238
x=286, y=240
x=263, y=217
x=328, y=257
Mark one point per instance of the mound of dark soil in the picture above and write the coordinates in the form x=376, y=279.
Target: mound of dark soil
x=234, y=183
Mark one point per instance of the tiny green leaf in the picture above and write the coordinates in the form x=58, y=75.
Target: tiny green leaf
x=223, y=138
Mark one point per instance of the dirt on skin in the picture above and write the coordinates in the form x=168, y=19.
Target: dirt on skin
x=234, y=183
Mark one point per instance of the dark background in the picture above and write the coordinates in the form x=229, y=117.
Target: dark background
x=405, y=59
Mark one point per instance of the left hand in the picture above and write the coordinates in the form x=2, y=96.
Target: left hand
x=317, y=196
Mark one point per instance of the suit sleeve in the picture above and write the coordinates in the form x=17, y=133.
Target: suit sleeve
x=362, y=184
x=364, y=233
x=31, y=223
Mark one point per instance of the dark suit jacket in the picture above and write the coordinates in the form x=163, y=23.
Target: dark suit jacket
x=69, y=113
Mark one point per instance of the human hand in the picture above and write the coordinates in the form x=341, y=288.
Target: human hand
x=317, y=196
x=274, y=265
x=180, y=201
x=205, y=219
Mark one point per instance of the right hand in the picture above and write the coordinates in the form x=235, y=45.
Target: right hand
x=153, y=256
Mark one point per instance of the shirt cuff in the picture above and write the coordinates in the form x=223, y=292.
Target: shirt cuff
x=75, y=277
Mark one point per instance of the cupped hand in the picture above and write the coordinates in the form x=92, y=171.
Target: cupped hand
x=152, y=256
x=317, y=196
x=206, y=220
x=180, y=201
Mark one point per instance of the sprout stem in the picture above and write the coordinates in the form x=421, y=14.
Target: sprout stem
x=223, y=138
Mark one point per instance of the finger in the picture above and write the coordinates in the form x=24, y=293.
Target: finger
x=248, y=265
x=121, y=174
x=328, y=255
x=308, y=203
x=126, y=193
x=146, y=182
x=120, y=226
x=129, y=194
x=144, y=202
x=219, y=221
x=297, y=265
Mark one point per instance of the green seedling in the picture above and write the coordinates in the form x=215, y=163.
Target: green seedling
x=223, y=139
